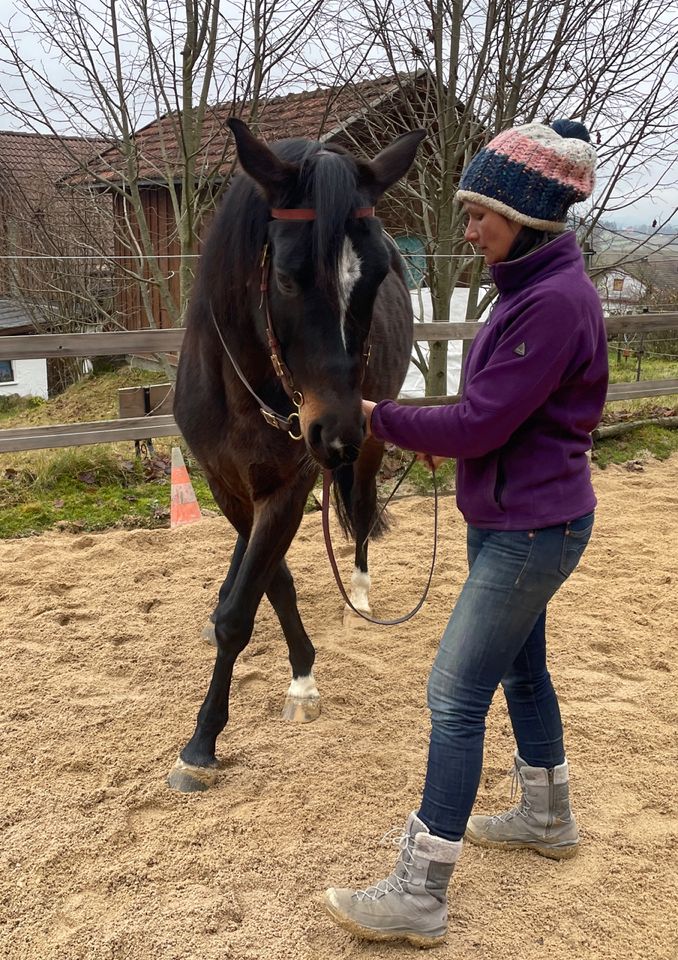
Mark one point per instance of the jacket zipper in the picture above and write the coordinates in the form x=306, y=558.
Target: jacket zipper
x=499, y=485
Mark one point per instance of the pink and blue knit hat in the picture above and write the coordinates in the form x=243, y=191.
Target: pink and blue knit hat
x=533, y=174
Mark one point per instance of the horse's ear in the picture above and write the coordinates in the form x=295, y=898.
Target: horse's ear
x=391, y=164
x=269, y=171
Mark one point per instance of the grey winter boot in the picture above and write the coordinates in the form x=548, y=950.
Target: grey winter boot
x=411, y=903
x=542, y=821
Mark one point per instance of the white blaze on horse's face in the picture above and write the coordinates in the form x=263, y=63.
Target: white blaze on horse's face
x=348, y=276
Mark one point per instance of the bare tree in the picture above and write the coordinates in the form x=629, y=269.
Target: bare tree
x=470, y=68
x=125, y=63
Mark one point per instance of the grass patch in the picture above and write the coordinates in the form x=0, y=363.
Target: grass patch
x=89, y=488
x=420, y=479
x=639, y=444
x=95, y=488
x=95, y=397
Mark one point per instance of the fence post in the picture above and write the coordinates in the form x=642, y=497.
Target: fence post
x=639, y=354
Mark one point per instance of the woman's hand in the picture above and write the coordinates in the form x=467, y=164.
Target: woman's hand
x=368, y=407
x=430, y=461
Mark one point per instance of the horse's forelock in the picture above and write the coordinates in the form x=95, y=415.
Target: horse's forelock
x=328, y=179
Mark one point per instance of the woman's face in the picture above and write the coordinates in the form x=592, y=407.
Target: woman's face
x=489, y=232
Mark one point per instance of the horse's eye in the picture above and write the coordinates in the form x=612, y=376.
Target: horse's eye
x=285, y=283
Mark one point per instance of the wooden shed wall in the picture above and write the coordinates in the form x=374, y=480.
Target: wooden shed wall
x=157, y=203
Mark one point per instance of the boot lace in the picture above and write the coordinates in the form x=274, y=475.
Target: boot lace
x=522, y=808
x=405, y=844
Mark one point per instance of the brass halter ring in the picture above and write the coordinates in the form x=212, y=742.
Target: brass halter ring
x=298, y=401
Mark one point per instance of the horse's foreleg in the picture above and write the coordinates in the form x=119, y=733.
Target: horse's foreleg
x=364, y=514
x=302, y=703
x=208, y=633
x=276, y=521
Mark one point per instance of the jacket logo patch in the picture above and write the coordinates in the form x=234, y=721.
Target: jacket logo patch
x=520, y=350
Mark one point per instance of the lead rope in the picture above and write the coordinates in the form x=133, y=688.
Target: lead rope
x=327, y=484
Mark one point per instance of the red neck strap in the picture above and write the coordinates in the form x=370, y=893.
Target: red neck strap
x=309, y=214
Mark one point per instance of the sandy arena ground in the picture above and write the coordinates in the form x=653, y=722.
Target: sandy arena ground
x=103, y=672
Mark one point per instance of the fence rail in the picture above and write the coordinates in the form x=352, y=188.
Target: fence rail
x=47, y=345
x=38, y=346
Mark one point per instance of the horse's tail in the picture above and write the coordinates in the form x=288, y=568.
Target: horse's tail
x=344, y=505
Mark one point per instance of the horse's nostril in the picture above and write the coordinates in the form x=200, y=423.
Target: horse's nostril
x=315, y=434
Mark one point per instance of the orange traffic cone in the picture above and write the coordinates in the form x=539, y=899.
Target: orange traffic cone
x=184, y=506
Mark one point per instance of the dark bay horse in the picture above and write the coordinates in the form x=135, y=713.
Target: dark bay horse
x=295, y=270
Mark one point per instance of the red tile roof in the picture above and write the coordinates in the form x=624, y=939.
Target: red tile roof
x=35, y=161
x=315, y=114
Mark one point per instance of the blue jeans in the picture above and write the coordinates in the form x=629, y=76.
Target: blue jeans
x=496, y=634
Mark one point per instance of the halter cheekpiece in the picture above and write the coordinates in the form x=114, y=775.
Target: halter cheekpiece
x=291, y=424
x=298, y=214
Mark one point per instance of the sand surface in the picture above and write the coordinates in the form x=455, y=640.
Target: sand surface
x=103, y=671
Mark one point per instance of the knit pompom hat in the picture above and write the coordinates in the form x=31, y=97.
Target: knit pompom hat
x=532, y=174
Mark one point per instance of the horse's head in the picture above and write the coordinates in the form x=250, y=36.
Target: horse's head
x=325, y=270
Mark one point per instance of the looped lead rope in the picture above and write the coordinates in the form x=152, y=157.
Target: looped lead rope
x=327, y=484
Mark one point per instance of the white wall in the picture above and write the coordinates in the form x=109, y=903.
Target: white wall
x=620, y=301
x=30, y=379
x=414, y=385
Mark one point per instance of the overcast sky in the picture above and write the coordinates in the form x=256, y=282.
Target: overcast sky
x=659, y=205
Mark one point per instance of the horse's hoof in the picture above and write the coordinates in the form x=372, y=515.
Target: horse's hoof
x=185, y=778
x=353, y=619
x=301, y=709
x=209, y=635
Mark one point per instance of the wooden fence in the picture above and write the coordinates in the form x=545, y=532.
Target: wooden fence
x=40, y=346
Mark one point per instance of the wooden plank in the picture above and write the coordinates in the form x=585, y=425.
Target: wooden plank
x=131, y=402
x=447, y=331
x=427, y=401
x=82, y=434
x=161, y=398
x=164, y=425
x=641, y=323
x=641, y=388
x=616, y=391
x=638, y=323
x=39, y=345
x=43, y=345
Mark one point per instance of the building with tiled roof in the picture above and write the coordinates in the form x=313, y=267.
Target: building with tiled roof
x=321, y=114
x=363, y=117
x=40, y=218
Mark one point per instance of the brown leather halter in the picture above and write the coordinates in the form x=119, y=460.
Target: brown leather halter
x=282, y=370
x=272, y=418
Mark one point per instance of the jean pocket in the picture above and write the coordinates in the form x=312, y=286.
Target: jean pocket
x=576, y=536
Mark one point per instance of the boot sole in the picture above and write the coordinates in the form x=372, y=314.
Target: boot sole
x=552, y=853
x=416, y=939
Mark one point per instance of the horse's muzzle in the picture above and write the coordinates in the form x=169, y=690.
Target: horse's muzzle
x=333, y=443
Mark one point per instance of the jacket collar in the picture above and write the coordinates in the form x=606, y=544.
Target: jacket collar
x=551, y=257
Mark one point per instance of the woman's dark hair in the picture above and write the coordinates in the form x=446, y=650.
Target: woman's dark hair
x=527, y=240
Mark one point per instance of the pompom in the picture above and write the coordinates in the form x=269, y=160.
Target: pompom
x=571, y=128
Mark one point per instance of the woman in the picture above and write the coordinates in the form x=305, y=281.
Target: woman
x=535, y=384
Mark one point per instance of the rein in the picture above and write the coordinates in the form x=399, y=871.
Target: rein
x=327, y=483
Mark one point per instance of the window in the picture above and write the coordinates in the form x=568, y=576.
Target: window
x=618, y=284
x=6, y=371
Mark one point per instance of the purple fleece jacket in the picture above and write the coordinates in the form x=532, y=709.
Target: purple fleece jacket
x=534, y=388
